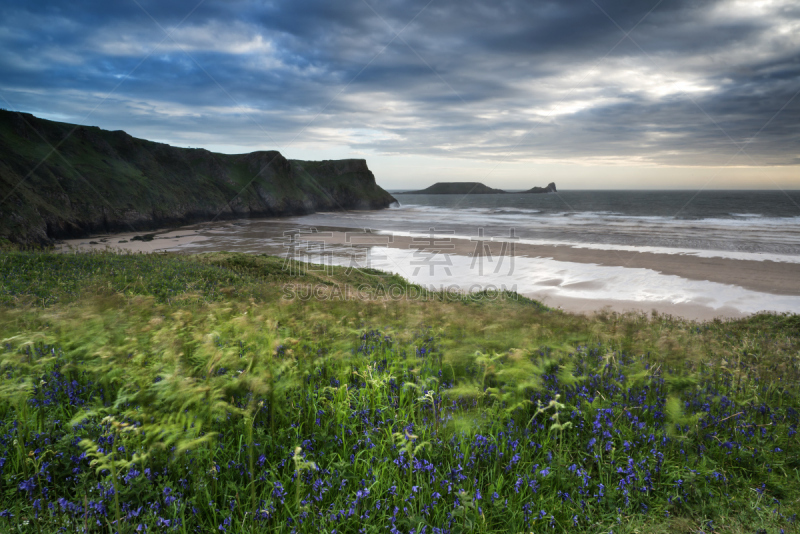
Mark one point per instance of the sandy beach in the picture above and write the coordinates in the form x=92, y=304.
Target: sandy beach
x=781, y=279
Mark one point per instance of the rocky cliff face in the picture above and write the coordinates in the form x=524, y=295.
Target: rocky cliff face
x=59, y=183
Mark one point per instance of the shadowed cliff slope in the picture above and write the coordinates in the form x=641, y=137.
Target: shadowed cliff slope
x=102, y=181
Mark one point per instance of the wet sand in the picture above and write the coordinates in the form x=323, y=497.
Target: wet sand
x=163, y=240
x=692, y=312
x=763, y=276
x=267, y=236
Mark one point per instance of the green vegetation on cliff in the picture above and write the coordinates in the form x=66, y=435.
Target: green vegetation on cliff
x=61, y=180
x=213, y=393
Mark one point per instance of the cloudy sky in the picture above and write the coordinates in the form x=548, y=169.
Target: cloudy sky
x=589, y=93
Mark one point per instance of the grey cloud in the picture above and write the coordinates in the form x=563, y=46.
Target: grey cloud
x=510, y=80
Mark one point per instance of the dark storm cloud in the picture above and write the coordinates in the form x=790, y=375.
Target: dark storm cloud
x=693, y=84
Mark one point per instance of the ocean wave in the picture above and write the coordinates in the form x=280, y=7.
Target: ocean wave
x=757, y=238
x=733, y=219
x=680, y=251
x=553, y=219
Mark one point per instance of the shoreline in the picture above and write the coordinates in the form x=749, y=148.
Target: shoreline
x=267, y=236
x=688, y=311
x=123, y=241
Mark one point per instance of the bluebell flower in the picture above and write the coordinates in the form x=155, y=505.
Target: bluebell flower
x=278, y=491
x=28, y=485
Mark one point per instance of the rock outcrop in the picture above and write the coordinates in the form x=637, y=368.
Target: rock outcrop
x=472, y=188
x=456, y=188
x=551, y=188
x=61, y=180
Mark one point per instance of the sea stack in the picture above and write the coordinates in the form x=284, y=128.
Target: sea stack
x=551, y=188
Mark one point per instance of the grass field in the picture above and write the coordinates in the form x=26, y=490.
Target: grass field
x=163, y=393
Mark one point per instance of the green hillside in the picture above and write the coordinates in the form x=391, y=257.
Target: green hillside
x=61, y=180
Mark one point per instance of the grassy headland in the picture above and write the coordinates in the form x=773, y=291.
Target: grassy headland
x=191, y=394
x=62, y=180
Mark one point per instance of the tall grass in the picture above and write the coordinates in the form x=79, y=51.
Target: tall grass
x=221, y=407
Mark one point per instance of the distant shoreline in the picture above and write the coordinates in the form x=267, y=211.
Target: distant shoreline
x=477, y=188
x=562, y=190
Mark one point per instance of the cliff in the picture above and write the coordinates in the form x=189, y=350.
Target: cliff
x=456, y=188
x=59, y=183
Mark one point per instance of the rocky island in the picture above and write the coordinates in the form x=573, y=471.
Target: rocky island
x=551, y=188
x=60, y=180
x=456, y=188
x=472, y=188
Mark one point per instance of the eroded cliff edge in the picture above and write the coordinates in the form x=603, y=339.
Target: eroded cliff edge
x=58, y=183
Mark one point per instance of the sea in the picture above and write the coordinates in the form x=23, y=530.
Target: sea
x=735, y=224
x=717, y=226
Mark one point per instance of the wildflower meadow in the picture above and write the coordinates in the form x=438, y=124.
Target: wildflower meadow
x=166, y=393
